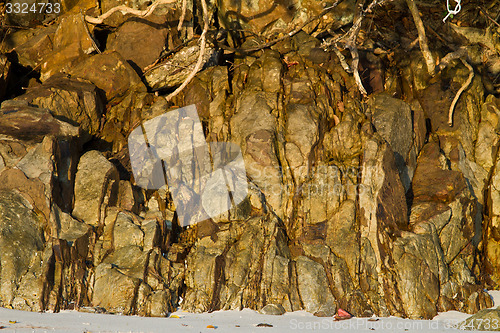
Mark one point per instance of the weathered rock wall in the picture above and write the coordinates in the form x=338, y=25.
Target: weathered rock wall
x=374, y=205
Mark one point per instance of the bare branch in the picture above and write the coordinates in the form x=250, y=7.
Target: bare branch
x=422, y=39
x=457, y=96
x=354, y=67
x=183, y=15
x=356, y=25
x=124, y=9
x=351, y=45
x=199, y=63
x=350, y=38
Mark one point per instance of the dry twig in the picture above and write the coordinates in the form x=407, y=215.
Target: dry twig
x=183, y=15
x=351, y=45
x=457, y=96
x=343, y=63
x=488, y=16
x=124, y=9
x=422, y=38
x=350, y=38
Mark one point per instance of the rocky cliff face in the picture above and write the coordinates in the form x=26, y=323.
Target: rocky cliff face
x=373, y=205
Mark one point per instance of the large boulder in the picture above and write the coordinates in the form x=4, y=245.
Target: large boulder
x=484, y=320
x=140, y=43
x=131, y=281
x=21, y=256
x=74, y=100
x=110, y=72
x=31, y=48
x=114, y=290
x=71, y=43
x=96, y=185
x=232, y=268
x=392, y=119
x=258, y=141
x=312, y=284
x=383, y=216
x=19, y=120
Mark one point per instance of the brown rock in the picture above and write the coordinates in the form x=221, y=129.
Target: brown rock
x=19, y=120
x=392, y=119
x=113, y=290
x=261, y=17
x=20, y=245
x=109, y=72
x=431, y=182
x=71, y=42
x=33, y=49
x=33, y=190
x=139, y=42
x=74, y=100
x=96, y=184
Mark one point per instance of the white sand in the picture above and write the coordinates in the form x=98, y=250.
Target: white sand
x=223, y=321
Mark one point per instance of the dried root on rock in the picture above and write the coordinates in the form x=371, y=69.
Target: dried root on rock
x=148, y=11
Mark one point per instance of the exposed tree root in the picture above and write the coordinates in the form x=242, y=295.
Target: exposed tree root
x=183, y=15
x=461, y=52
x=351, y=45
x=127, y=10
x=351, y=42
x=422, y=39
x=457, y=96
